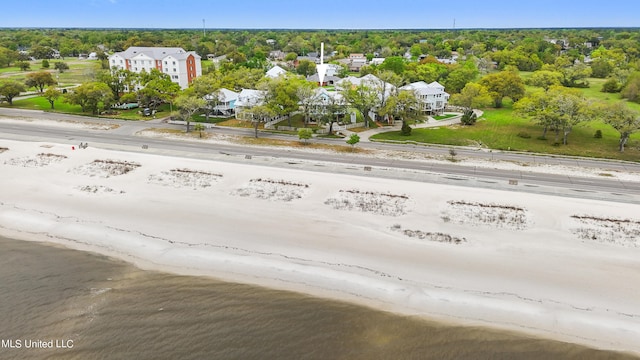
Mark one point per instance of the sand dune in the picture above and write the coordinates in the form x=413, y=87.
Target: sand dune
x=563, y=268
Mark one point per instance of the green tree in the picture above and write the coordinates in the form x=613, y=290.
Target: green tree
x=625, y=120
x=281, y=94
x=353, y=140
x=362, y=97
x=307, y=98
x=545, y=79
x=158, y=88
x=241, y=78
x=396, y=64
x=52, y=94
x=7, y=56
x=119, y=80
x=472, y=96
x=405, y=130
x=460, y=76
x=558, y=109
x=503, y=84
x=23, y=65
x=306, y=68
x=305, y=134
x=291, y=57
x=469, y=117
x=91, y=96
x=601, y=68
x=39, y=80
x=631, y=89
x=9, y=89
x=45, y=64
x=611, y=86
x=260, y=114
x=540, y=108
x=199, y=127
x=208, y=88
x=401, y=105
x=189, y=105
x=60, y=66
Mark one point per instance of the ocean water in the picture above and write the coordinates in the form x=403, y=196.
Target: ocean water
x=87, y=306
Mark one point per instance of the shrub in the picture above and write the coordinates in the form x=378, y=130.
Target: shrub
x=406, y=129
x=611, y=86
x=45, y=64
x=469, y=117
x=598, y=134
x=524, y=135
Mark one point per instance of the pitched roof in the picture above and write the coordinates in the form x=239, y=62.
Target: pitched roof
x=275, y=71
x=423, y=88
x=250, y=97
x=225, y=95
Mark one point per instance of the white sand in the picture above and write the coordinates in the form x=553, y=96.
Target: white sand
x=473, y=256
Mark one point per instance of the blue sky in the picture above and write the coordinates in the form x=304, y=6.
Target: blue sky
x=327, y=14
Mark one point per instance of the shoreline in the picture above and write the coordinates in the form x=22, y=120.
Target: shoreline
x=341, y=236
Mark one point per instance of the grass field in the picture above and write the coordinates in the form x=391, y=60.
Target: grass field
x=500, y=129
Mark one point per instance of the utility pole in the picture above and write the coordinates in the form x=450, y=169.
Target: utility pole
x=204, y=34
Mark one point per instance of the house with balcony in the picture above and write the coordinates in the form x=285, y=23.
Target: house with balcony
x=225, y=101
x=431, y=97
x=181, y=66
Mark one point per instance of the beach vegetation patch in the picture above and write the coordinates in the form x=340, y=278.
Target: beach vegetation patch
x=42, y=159
x=430, y=236
x=369, y=201
x=185, y=178
x=624, y=232
x=271, y=189
x=98, y=189
x=486, y=214
x=106, y=168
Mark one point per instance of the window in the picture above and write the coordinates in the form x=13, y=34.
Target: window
x=174, y=69
x=165, y=62
x=174, y=63
x=135, y=62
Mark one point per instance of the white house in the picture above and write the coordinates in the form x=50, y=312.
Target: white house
x=432, y=97
x=275, y=72
x=247, y=98
x=368, y=80
x=182, y=66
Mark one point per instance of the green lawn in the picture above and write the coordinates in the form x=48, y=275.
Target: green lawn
x=442, y=117
x=499, y=129
x=40, y=103
x=79, y=71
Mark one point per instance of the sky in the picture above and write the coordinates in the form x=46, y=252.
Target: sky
x=321, y=14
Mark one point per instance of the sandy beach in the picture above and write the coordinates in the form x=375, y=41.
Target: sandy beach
x=557, y=267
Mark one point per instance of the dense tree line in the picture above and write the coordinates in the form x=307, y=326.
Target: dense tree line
x=483, y=68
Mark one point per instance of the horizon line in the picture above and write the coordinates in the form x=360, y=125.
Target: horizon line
x=314, y=29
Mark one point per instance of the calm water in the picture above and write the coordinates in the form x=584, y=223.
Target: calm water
x=106, y=309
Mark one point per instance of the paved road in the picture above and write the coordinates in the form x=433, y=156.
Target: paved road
x=123, y=138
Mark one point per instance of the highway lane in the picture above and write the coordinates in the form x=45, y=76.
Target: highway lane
x=453, y=172
x=131, y=127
